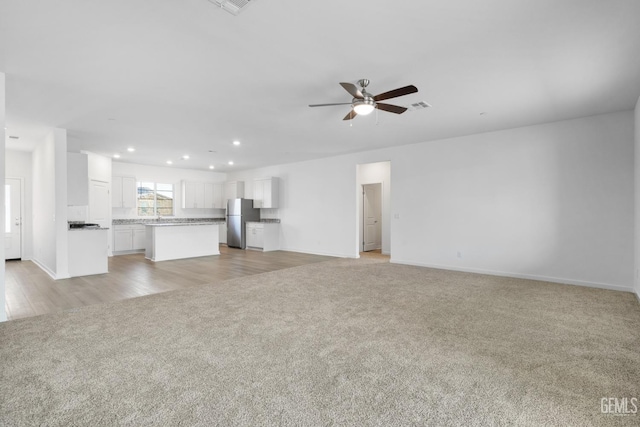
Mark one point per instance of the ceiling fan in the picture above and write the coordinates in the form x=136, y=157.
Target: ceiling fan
x=364, y=103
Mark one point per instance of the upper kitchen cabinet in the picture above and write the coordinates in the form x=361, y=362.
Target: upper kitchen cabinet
x=266, y=192
x=201, y=195
x=82, y=168
x=233, y=190
x=123, y=192
x=77, y=179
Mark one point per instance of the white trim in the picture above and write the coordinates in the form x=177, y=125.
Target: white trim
x=321, y=253
x=520, y=276
x=44, y=268
x=638, y=296
x=22, y=212
x=47, y=270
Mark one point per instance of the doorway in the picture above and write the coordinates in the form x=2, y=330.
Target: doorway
x=371, y=217
x=13, y=218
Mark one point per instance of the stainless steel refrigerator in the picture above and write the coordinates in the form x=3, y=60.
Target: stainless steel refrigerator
x=239, y=211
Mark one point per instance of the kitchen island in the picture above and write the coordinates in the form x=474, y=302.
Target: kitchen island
x=166, y=241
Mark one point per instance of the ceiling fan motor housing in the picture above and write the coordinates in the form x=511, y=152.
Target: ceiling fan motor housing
x=366, y=100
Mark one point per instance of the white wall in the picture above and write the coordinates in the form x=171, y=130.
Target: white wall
x=18, y=165
x=3, y=313
x=373, y=173
x=637, y=196
x=49, y=168
x=551, y=202
x=168, y=175
x=318, y=204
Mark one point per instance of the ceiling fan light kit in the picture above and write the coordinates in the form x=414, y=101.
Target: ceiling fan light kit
x=363, y=107
x=364, y=103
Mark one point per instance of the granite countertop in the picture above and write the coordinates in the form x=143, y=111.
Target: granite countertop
x=168, y=221
x=268, y=221
x=89, y=229
x=180, y=224
x=91, y=226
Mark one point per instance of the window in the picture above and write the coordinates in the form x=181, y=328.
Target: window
x=155, y=199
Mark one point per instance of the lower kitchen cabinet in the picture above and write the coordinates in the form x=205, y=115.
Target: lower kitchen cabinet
x=264, y=236
x=127, y=238
x=87, y=252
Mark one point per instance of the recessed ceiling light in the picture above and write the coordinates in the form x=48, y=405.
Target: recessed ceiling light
x=230, y=162
x=131, y=149
x=169, y=162
x=185, y=157
x=236, y=142
x=211, y=167
x=116, y=156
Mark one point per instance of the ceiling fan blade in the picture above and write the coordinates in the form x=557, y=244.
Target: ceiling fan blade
x=327, y=105
x=352, y=114
x=396, y=92
x=391, y=108
x=353, y=90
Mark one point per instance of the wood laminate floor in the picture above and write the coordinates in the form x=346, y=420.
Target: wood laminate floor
x=31, y=292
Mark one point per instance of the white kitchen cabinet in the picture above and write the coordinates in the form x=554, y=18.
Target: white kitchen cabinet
x=130, y=237
x=219, y=202
x=89, y=184
x=99, y=212
x=208, y=195
x=122, y=240
x=77, y=179
x=263, y=236
x=254, y=235
x=87, y=252
x=266, y=192
x=192, y=193
x=123, y=192
x=222, y=233
x=233, y=190
x=138, y=238
x=201, y=195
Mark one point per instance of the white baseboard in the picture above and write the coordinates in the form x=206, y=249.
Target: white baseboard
x=321, y=253
x=520, y=276
x=44, y=268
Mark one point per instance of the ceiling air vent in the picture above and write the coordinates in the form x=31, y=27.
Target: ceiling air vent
x=421, y=105
x=232, y=6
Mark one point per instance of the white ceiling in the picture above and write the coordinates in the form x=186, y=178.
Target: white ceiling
x=184, y=77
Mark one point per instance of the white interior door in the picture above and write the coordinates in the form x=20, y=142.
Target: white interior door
x=372, y=216
x=13, y=219
x=99, y=203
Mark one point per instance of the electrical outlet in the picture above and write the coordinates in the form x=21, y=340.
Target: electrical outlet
x=459, y=254
x=396, y=216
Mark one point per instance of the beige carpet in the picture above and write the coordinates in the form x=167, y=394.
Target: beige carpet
x=344, y=343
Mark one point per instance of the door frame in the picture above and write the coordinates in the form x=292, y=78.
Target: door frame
x=362, y=242
x=373, y=172
x=22, y=216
